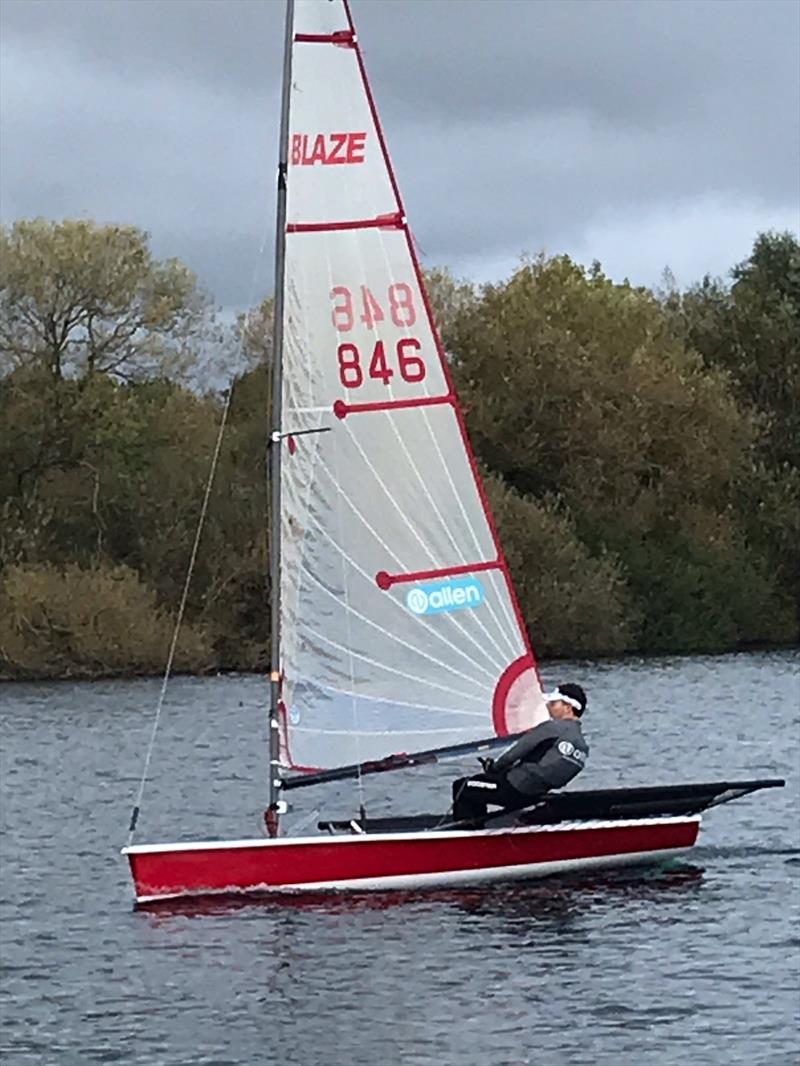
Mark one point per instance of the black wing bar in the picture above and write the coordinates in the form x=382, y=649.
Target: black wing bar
x=399, y=761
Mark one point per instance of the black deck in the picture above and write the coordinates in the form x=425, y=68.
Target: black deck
x=599, y=804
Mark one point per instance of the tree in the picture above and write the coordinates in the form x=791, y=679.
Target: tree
x=80, y=298
x=638, y=450
x=576, y=387
x=582, y=391
x=572, y=603
x=751, y=329
x=450, y=299
x=254, y=333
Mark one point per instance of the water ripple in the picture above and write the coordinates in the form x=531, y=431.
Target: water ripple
x=694, y=962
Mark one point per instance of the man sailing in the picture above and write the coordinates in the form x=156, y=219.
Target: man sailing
x=545, y=757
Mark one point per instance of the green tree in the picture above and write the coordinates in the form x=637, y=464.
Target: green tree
x=450, y=299
x=254, y=333
x=77, y=297
x=752, y=330
x=122, y=481
x=581, y=390
x=573, y=604
x=639, y=449
x=575, y=386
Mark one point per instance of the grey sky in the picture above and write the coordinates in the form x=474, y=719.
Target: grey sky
x=643, y=133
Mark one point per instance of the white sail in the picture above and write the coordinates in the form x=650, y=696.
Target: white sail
x=400, y=630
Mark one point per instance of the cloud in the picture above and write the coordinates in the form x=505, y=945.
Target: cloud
x=715, y=231
x=636, y=133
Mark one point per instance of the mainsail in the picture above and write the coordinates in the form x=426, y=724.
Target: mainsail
x=399, y=625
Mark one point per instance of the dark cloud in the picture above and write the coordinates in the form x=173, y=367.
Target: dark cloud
x=640, y=133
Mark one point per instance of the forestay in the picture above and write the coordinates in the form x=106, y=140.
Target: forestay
x=400, y=629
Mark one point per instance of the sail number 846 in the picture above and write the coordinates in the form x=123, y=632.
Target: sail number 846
x=400, y=304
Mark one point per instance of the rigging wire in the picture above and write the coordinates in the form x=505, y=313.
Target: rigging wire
x=195, y=546
x=181, y=610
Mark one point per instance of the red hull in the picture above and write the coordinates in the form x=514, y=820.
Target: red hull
x=401, y=860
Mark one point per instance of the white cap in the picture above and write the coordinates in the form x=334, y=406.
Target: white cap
x=556, y=694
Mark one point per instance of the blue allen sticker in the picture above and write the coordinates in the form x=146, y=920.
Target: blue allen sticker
x=445, y=596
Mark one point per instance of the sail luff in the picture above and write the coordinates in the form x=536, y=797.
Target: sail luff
x=451, y=389
x=276, y=418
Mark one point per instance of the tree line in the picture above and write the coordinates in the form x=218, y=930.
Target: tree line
x=641, y=451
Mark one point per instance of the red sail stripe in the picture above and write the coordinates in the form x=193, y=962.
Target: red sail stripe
x=385, y=581
x=342, y=38
x=392, y=221
x=342, y=409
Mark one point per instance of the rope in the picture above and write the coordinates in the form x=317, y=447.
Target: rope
x=181, y=610
x=200, y=523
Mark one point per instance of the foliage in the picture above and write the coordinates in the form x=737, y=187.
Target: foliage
x=753, y=331
x=640, y=449
x=583, y=390
x=574, y=386
x=450, y=299
x=254, y=333
x=573, y=604
x=76, y=622
x=79, y=297
x=109, y=471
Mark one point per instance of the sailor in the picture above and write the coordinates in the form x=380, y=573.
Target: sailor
x=545, y=757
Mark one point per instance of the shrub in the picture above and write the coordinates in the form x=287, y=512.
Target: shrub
x=75, y=622
x=573, y=604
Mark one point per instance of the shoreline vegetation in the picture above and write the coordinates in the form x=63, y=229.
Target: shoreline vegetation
x=545, y=663
x=640, y=449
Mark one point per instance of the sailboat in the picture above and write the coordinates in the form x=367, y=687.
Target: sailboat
x=397, y=638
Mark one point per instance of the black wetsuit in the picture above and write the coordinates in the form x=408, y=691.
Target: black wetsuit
x=547, y=756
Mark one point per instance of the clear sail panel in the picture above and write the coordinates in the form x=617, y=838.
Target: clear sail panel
x=399, y=624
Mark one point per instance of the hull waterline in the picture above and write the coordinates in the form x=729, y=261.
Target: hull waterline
x=382, y=862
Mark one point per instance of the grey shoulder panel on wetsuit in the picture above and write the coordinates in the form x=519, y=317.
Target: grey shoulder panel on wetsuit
x=528, y=743
x=555, y=753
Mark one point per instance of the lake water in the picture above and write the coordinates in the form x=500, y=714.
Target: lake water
x=695, y=962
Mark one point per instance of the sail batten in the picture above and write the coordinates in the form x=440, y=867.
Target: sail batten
x=380, y=222
x=399, y=618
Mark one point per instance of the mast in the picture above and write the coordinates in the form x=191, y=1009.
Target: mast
x=274, y=464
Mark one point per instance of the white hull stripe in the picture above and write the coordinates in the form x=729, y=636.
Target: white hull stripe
x=208, y=845
x=442, y=878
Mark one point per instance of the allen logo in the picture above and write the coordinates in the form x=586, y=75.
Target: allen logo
x=327, y=149
x=570, y=752
x=445, y=596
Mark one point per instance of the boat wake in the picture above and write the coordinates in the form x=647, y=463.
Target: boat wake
x=743, y=855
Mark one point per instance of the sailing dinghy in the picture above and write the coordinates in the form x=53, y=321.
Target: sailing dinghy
x=397, y=639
